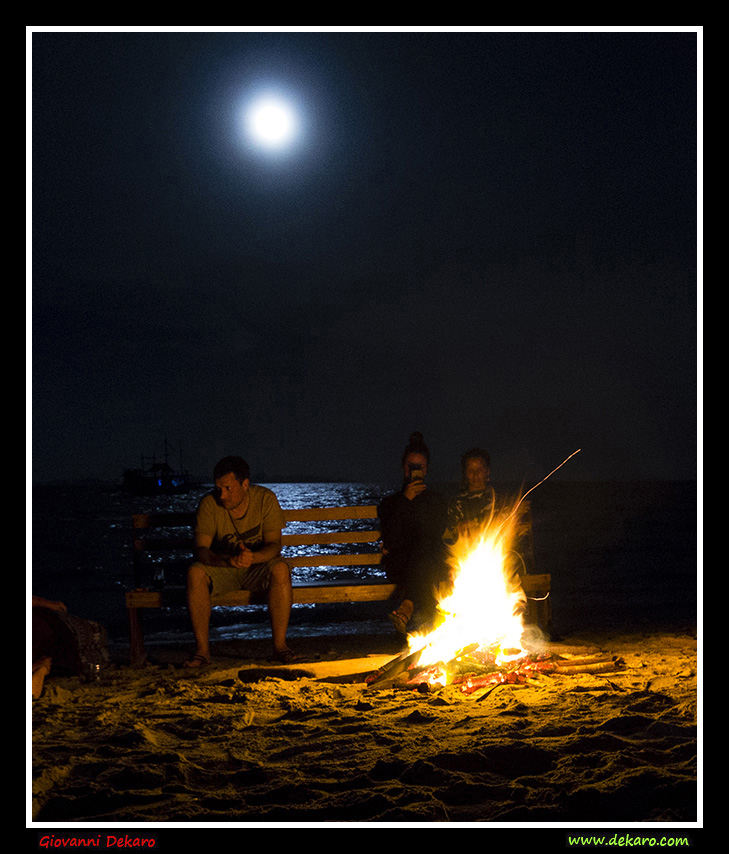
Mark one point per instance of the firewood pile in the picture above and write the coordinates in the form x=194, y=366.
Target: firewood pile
x=475, y=669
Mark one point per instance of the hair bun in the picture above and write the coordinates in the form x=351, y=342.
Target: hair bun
x=416, y=446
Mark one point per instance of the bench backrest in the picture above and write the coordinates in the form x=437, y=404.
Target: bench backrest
x=339, y=539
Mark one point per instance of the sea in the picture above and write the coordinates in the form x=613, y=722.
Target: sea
x=623, y=556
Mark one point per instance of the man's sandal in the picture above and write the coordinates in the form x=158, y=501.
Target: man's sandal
x=287, y=656
x=197, y=662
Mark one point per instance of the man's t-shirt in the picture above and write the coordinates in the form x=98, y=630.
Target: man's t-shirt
x=264, y=515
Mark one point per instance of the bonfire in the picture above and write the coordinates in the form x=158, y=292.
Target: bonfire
x=480, y=639
x=482, y=615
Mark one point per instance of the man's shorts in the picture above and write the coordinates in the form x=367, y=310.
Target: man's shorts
x=256, y=577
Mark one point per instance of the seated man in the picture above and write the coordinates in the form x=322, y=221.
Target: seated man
x=238, y=547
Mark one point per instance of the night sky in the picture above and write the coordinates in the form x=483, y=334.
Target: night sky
x=487, y=237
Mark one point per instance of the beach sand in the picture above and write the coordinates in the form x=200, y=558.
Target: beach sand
x=248, y=741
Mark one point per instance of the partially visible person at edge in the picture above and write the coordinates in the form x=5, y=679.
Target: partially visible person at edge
x=70, y=645
x=238, y=547
x=475, y=503
x=413, y=522
x=44, y=640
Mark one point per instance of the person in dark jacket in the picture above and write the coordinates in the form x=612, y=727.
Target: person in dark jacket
x=413, y=522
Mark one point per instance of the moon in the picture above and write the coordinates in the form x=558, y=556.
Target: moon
x=271, y=122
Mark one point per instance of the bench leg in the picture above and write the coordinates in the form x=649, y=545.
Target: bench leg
x=137, y=655
x=539, y=613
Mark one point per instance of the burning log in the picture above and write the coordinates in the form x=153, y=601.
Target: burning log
x=407, y=661
x=393, y=669
x=434, y=674
x=512, y=677
x=459, y=668
x=478, y=669
x=475, y=669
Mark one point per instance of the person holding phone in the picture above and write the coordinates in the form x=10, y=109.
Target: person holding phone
x=413, y=521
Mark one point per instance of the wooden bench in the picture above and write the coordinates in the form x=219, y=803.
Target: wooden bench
x=346, y=537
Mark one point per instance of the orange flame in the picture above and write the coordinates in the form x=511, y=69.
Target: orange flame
x=486, y=603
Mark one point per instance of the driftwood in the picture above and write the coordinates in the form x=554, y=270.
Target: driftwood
x=588, y=664
x=595, y=667
x=578, y=661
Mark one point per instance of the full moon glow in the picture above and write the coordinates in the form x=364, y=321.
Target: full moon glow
x=271, y=122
